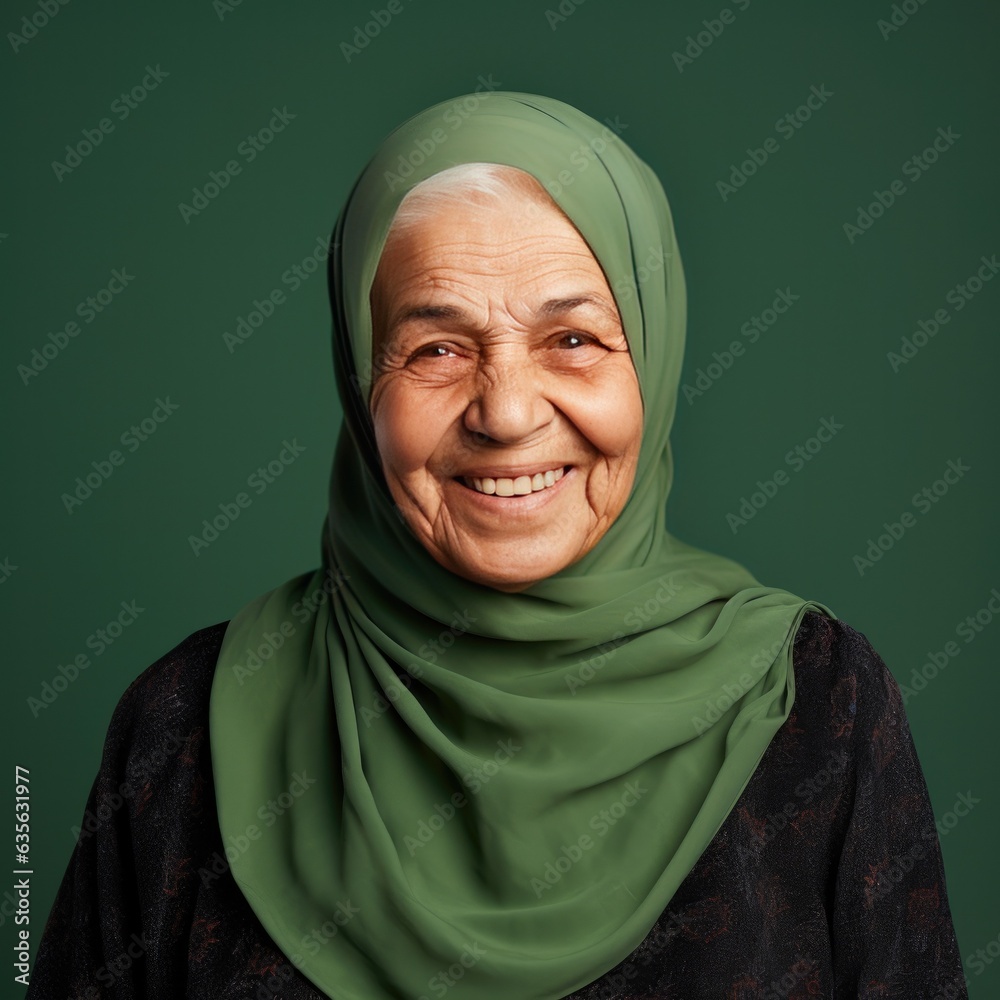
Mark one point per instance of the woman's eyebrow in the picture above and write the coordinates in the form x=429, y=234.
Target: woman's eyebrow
x=415, y=313
x=554, y=307
x=548, y=309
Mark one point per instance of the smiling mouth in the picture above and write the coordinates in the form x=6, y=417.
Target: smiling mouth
x=517, y=487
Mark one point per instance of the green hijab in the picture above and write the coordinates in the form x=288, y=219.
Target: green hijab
x=427, y=784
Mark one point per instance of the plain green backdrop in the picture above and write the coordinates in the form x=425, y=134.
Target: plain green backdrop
x=221, y=70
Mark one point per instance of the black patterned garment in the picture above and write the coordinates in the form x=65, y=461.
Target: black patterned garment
x=826, y=879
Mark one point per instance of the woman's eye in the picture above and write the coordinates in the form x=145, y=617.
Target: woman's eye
x=574, y=340
x=431, y=351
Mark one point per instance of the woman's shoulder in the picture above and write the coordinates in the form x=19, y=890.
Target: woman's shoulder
x=166, y=704
x=821, y=637
x=841, y=678
x=184, y=670
x=822, y=642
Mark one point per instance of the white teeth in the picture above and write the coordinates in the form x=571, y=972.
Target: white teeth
x=521, y=486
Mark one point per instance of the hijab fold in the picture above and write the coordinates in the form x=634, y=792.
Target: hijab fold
x=427, y=785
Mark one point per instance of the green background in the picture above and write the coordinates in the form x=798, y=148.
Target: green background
x=783, y=228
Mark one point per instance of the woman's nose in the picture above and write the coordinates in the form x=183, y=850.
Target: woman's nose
x=508, y=401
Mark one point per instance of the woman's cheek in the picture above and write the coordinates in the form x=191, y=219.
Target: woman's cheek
x=608, y=413
x=410, y=422
x=400, y=430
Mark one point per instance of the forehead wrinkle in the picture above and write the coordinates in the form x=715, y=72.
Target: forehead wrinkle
x=544, y=298
x=457, y=253
x=580, y=276
x=576, y=289
x=515, y=272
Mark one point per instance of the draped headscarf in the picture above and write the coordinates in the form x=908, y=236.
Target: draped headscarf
x=426, y=784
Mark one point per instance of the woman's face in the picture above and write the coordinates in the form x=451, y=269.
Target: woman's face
x=507, y=411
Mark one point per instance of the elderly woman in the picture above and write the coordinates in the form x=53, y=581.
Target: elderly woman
x=512, y=740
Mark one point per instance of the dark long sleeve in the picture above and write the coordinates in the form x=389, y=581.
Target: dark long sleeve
x=133, y=917
x=796, y=896
x=892, y=927
x=783, y=902
x=93, y=944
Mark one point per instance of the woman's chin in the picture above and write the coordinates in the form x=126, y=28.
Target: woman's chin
x=509, y=571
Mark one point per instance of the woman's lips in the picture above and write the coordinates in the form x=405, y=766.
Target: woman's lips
x=514, y=486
